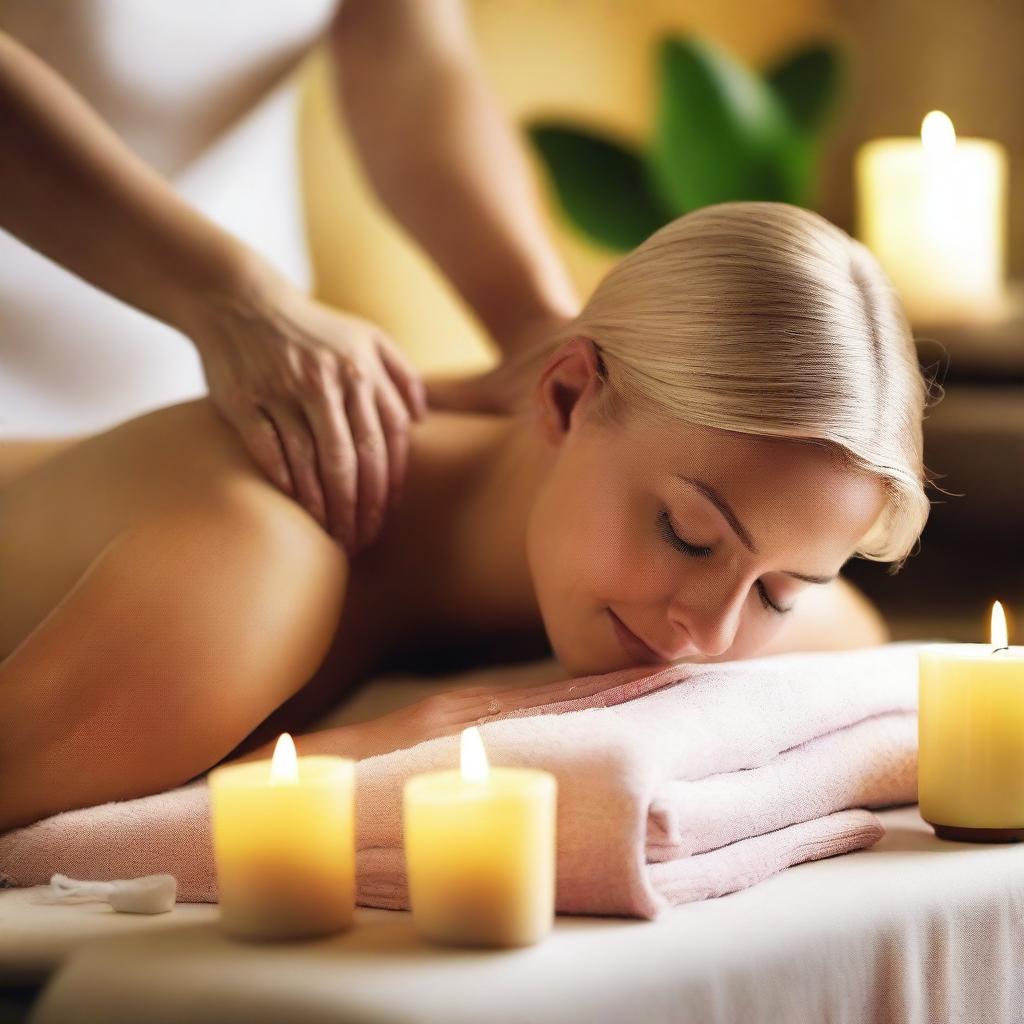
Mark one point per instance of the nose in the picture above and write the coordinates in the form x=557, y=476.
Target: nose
x=712, y=623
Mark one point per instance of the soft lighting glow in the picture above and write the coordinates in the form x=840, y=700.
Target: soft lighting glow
x=285, y=765
x=937, y=133
x=473, y=757
x=1000, y=636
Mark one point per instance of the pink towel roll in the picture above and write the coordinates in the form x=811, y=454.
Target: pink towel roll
x=682, y=784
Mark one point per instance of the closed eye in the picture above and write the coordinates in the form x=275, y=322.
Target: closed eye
x=679, y=544
x=676, y=541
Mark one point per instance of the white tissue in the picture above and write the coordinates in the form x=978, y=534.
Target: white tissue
x=151, y=894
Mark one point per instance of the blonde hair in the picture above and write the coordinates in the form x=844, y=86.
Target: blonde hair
x=764, y=318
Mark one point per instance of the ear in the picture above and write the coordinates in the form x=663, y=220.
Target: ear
x=571, y=379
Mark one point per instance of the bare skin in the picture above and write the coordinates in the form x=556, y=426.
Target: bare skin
x=165, y=607
x=320, y=398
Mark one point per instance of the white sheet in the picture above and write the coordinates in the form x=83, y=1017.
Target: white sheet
x=913, y=930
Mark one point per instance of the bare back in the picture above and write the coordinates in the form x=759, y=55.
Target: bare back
x=399, y=606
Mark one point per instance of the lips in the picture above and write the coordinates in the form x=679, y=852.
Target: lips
x=633, y=645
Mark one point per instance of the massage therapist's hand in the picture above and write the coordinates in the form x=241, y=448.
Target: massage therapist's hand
x=321, y=399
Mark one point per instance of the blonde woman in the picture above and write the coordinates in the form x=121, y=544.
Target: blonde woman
x=736, y=412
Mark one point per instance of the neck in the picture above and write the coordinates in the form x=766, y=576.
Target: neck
x=501, y=480
x=452, y=562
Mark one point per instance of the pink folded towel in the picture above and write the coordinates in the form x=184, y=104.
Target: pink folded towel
x=689, y=782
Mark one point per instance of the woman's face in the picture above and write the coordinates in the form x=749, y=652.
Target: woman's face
x=746, y=510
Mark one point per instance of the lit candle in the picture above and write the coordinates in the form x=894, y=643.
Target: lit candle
x=284, y=844
x=934, y=213
x=971, y=738
x=480, y=851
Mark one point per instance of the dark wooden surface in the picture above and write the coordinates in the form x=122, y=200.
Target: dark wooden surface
x=972, y=549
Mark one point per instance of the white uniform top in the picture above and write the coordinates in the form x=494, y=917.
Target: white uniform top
x=203, y=90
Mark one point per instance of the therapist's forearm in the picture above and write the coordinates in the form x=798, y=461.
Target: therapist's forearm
x=444, y=159
x=73, y=191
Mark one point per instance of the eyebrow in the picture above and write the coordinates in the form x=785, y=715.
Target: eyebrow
x=740, y=530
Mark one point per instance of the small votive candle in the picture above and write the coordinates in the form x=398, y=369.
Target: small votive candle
x=480, y=851
x=284, y=844
x=971, y=738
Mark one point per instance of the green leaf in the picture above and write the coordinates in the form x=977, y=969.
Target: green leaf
x=720, y=131
x=809, y=83
x=602, y=185
x=800, y=158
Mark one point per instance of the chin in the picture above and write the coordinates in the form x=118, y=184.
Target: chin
x=576, y=666
x=584, y=656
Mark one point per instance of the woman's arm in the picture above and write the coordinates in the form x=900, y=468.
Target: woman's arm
x=186, y=631
x=444, y=158
x=351, y=740
x=443, y=712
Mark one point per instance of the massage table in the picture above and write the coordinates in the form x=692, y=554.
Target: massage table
x=914, y=929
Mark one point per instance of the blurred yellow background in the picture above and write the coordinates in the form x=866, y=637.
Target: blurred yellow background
x=590, y=61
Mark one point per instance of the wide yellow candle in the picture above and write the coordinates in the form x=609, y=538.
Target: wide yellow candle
x=284, y=844
x=971, y=738
x=933, y=210
x=480, y=851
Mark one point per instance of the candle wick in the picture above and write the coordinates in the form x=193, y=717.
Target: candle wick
x=996, y=650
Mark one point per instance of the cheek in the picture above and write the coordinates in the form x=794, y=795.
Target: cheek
x=582, y=538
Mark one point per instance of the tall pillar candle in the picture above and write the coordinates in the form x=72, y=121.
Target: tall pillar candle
x=971, y=738
x=933, y=210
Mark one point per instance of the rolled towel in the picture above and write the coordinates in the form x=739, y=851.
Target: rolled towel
x=689, y=782
x=870, y=764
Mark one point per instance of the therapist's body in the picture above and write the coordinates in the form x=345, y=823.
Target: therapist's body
x=321, y=399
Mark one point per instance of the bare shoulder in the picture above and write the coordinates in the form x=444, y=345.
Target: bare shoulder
x=836, y=616
x=183, y=458
x=148, y=452
x=19, y=456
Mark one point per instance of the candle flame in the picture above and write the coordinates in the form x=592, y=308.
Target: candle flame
x=473, y=756
x=1000, y=635
x=285, y=765
x=937, y=133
